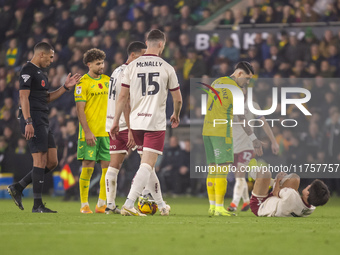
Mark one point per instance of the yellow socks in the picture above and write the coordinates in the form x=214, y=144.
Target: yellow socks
x=84, y=184
x=211, y=189
x=102, y=190
x=220, y=189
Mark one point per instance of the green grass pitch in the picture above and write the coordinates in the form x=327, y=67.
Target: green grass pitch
x=187, y=231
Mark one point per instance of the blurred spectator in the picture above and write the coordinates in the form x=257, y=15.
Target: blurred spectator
x=186, y=16
x=184, y=43
x=228, y=18
x=229, y=51
x=65, y=27
x=13, y=53
x=308, y=15
x=169, y=167
x=269, y=70
x=326, y=42
x=108, y=47
x=314, y=56
x=269, y=15
x=206, y=13
x=118, y=60
x=211, y=53
x=22, y=159
x=286, y=16
x=294, y=50
x=18, y=27
x=83, y=16
x=194, y=66
x=121, y=9
x=70, y=158
x=183, y=181
x=326, y=70
x=265, y=46
x=6, y=17
x=165, y=16
x=254, y=16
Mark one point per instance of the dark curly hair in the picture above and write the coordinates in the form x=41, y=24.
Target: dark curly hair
x=318, y=193
x=93, y=55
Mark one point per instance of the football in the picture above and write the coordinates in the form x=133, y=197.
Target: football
x=147, y=205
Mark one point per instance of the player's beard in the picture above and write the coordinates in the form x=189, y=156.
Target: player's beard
x=99, y=72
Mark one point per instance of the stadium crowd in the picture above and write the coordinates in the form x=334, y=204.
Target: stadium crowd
x=74, y=26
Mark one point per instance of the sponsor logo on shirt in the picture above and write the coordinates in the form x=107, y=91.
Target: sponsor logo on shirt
x=25, y=77
x=141, y=114
x=99, y=93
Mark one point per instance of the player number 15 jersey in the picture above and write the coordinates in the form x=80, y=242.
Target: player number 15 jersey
x=149, y=78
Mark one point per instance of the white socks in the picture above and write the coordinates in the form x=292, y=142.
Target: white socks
x=155, y=189
x=83, y=204
x=139, y=182
x=240, y=183
x=111, y=186
x=245, y=193
x=101, y=202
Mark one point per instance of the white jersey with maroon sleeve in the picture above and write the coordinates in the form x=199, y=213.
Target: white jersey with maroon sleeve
x=114, y=90
x=240, y=139
x=288, y=204
x=149, y=78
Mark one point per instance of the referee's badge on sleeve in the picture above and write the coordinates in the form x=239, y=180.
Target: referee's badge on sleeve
x=78, y=90
x=25, y=77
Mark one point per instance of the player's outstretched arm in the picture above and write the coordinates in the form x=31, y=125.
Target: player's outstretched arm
x=120, y=105
x=89, y=136
x=177, y=100
x=69, y=83
x=269, y=133
x=256, y=142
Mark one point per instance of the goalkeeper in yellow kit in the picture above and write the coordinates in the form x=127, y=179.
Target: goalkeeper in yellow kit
x=93, y=142
x=218, y=140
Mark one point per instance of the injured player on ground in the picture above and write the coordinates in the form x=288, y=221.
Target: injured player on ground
x=285, y=200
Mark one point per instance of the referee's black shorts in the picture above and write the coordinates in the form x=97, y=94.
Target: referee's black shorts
x=43, y=136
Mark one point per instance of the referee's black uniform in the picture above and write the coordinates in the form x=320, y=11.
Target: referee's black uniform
x=33, y=78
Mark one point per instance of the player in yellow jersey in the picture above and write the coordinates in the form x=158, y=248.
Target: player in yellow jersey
x=218, y=139
x=93, y=144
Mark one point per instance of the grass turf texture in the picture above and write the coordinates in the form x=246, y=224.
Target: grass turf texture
x=187, y=231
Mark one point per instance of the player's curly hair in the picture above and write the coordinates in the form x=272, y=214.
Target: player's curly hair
x=318, y=193
x=93, y=55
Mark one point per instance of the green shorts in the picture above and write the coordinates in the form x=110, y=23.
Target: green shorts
x=99, y=152
x=217, y=150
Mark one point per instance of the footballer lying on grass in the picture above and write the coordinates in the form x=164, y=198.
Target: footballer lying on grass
x=285, y=200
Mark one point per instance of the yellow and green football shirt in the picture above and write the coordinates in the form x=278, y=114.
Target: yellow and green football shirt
x=95, y=93
x=217, y=111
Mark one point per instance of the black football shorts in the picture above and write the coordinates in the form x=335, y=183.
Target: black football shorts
x=43, y=136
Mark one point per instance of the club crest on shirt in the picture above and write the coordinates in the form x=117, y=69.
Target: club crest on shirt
x=78, y=90
x=43, y=83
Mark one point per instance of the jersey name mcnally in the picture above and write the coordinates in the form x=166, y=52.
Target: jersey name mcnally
x=149, y=63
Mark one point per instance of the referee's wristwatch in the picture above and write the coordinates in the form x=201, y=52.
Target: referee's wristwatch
x=29, y=121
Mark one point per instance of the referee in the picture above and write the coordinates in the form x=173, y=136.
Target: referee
x=34, y=123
